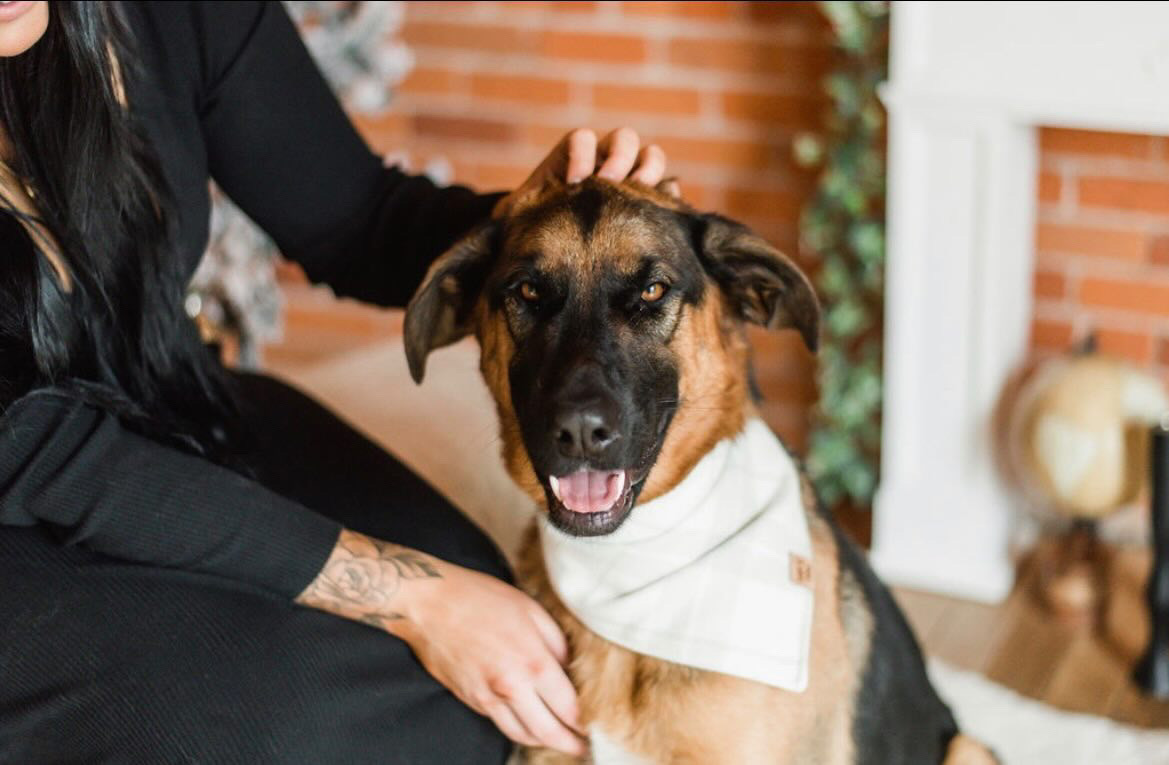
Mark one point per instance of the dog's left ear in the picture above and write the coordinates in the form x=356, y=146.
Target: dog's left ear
x=440, y=311
x=763, y=285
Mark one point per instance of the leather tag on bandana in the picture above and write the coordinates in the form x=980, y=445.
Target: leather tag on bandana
x=800, y=570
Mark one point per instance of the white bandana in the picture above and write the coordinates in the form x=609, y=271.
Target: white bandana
x=714, y=574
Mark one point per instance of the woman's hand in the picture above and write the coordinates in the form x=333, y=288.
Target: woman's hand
x=491, y=645
x=575, y=158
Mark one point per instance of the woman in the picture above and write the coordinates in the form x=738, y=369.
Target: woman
x=176, y=543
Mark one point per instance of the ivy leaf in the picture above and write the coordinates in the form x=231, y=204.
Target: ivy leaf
x=843, y=226
x=808, y=150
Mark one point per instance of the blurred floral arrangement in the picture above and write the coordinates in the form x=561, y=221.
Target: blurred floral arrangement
x=234, y=291
x=843, y=228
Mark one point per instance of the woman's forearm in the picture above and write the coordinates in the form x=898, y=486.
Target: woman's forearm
x=370, y=581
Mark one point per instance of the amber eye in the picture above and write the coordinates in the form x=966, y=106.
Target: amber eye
x=528, y=292
x=654, y=292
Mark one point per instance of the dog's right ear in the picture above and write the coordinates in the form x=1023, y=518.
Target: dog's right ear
x=440, y=311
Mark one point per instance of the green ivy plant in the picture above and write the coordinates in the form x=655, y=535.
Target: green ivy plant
x=843, y=228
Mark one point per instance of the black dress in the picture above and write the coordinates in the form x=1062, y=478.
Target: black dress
x=146, y=595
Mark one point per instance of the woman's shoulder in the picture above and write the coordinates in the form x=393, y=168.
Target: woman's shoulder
x=201, y=40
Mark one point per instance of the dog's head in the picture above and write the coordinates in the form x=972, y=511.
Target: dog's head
x=610, y=321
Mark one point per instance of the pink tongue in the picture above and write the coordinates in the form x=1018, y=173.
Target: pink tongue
x=589, y=491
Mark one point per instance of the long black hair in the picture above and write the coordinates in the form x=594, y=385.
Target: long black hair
x=117, y=336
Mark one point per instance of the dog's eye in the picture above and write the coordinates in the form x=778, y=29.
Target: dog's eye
x=654, y=292
x=528, y=292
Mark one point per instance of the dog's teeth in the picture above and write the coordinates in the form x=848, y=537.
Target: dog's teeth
x=555, y=484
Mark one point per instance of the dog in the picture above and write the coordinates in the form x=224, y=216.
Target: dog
x=611, y=322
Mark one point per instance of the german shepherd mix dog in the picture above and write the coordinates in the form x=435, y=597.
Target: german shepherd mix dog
x=610, y=320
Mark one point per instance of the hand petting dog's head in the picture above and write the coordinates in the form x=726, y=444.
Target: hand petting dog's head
x=609, y=319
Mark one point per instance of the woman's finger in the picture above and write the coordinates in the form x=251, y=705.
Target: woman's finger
x=550, y=632
x=510, y=725
x=581, y=148
x=619, y=150
x=651, y=165
x=537, y=719
x=554, y=687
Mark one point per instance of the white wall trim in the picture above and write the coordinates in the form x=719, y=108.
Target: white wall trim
x=969, y=84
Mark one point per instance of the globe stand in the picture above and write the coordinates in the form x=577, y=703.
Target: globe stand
x=1152, y=671
x=1070, y=578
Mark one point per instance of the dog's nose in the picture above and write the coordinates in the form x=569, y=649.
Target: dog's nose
x=583, y=432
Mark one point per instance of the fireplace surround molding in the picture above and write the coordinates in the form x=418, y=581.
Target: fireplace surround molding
x=969, y=85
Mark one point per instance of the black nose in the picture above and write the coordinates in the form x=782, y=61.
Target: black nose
x=585, y=431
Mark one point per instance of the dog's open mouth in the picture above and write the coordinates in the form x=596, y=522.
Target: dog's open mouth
x=590, y=502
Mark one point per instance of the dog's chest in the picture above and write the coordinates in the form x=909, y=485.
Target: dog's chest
x=606, y=750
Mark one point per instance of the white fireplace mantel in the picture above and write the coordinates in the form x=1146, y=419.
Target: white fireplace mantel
x=969, y=83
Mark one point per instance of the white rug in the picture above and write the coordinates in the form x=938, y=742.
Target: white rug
x=446, y=431
x=1022, y=731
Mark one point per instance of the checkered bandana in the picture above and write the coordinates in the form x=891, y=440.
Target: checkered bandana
x=714, y=574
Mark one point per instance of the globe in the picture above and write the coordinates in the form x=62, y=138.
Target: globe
x=1078, y=434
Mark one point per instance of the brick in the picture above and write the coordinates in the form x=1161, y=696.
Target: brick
x=1163, y=351
x=442, y=126
x=795, y=111
x=1161, y=149
x=1141, y=297
x=1094, y=142
x=422, y=80
x=1125, y=194
x=1051, y=335
x=1135, y=346
x=1159, y=250
x=698, y=196
x=763, y=204
x=544, y=137
x=560, y=6
x=621, y=49
x=803, y=63
x=489, y=176
x=642, y=98
x=530, y=90
x=1081, y=240
x=1049, y=187
x=477, y=37
x=785, y=11
x=1050, y=284
x=572, y=6
x=383, y=132
x=694, y=10
x=717, y=151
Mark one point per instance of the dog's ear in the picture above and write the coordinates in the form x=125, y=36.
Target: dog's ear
x=440, y=311
x=763, y=285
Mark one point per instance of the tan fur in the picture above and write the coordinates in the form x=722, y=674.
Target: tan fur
x=661, y=711
x=665, y=712
x=712, y=393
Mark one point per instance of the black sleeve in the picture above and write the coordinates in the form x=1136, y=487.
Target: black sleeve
x=77, y=471
x=279, y=144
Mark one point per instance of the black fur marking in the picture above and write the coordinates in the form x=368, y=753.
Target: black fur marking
x=586, y=207
x=899, y=718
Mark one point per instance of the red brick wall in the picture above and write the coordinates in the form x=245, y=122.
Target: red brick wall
x=721, y=86
x=1102, y=244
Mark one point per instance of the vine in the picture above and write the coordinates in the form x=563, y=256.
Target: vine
x=843, y=228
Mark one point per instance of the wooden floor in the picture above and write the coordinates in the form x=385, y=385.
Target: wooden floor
x=1019, y=644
